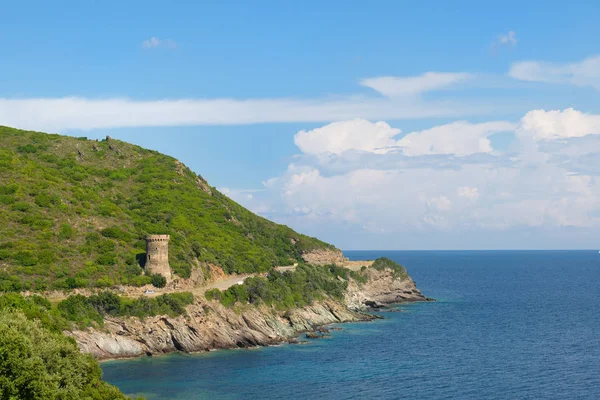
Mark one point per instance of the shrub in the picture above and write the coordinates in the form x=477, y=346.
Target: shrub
x=107, y=259
x=37, y=363
x=25, y=258
x=213, y=294
x=105, y=282
x=115, y=233
x=105, y=246
x=9, y=283
x=385, y=263
x=6, y=199
x=28, y=148
x=158, y=280
x=66, y=232
x=77, y=308
x=21, y=206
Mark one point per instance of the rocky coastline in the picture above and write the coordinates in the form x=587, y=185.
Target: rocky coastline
x=209, y=325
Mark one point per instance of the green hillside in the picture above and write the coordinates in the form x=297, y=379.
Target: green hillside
x=74, y=213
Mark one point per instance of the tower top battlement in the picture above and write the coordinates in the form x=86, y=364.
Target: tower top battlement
x=158, y=238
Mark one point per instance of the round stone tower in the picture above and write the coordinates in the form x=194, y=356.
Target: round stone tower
x=157, y=256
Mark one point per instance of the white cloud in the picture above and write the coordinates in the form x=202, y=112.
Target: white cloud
x=357, y=134
x=440, y=203
x=582, y=73
x=509, y=39
x=466, y=197
x=469, y=193
x=556, y=124
x=59, y=114
x=155, y=42
x=460, y=138
x=393, y=86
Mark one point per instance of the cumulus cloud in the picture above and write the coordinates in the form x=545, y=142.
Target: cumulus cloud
x=155, y=42
x=460, y=138
x=557, y=124
x=356, y=134
x=393, y=86
x=582, y=73
x=389, y=194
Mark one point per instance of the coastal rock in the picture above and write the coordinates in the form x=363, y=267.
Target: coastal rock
x=209, y=325
x=324, y=256
x=381, y=289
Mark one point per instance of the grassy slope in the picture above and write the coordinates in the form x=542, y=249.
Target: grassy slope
x=72, y=216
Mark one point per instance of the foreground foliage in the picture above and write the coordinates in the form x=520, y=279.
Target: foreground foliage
x=78, y=311
x=38, y=362
x=74, y=213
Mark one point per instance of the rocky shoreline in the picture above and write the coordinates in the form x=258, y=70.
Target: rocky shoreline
x=209, y=325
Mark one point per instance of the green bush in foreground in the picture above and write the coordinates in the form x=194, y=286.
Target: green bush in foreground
x=36, y=363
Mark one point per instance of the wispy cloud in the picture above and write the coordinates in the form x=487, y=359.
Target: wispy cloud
x=155, y=42
x=581, y=73
x=508, y=39
x=59, y=114
x=393, y=86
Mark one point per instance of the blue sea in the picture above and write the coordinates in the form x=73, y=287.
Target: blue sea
x=507, y=325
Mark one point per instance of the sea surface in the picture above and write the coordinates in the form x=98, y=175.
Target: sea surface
x=507, y=325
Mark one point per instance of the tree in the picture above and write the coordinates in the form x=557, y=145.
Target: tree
x=39, y=364
x=158, y=280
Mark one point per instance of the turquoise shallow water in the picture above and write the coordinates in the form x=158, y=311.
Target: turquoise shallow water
x=507, y=325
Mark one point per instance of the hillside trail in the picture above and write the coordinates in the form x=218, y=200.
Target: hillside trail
x=150, y=291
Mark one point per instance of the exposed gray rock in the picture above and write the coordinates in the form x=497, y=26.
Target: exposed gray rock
x=209, y=325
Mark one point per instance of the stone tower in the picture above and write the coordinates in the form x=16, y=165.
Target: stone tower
x=157, y=256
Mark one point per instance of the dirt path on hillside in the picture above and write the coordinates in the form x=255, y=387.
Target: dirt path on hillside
x=150, y=291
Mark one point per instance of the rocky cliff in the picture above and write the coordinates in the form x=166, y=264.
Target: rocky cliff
x=209, y=325
x=324, y=256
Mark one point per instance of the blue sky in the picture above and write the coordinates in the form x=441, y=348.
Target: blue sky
x=397, y=125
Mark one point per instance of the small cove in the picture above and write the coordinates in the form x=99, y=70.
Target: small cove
x=506, y=325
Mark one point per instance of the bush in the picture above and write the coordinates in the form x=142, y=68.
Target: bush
x=385, y=263
x=213, y=294
x=21, y=206
x=115, y=233
x=25, y=258
x=66, y=232
x=107, y=259
x=77, y=308
x=158, y=280
x=38, y=363
x=287, y=290
x=45, y=200
x=28, y=148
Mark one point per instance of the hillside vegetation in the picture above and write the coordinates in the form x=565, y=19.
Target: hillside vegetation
x=74, y=213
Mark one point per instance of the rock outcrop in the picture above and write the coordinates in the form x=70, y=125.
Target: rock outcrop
x=324, y=256
x=209, y=325
x=382, y=288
